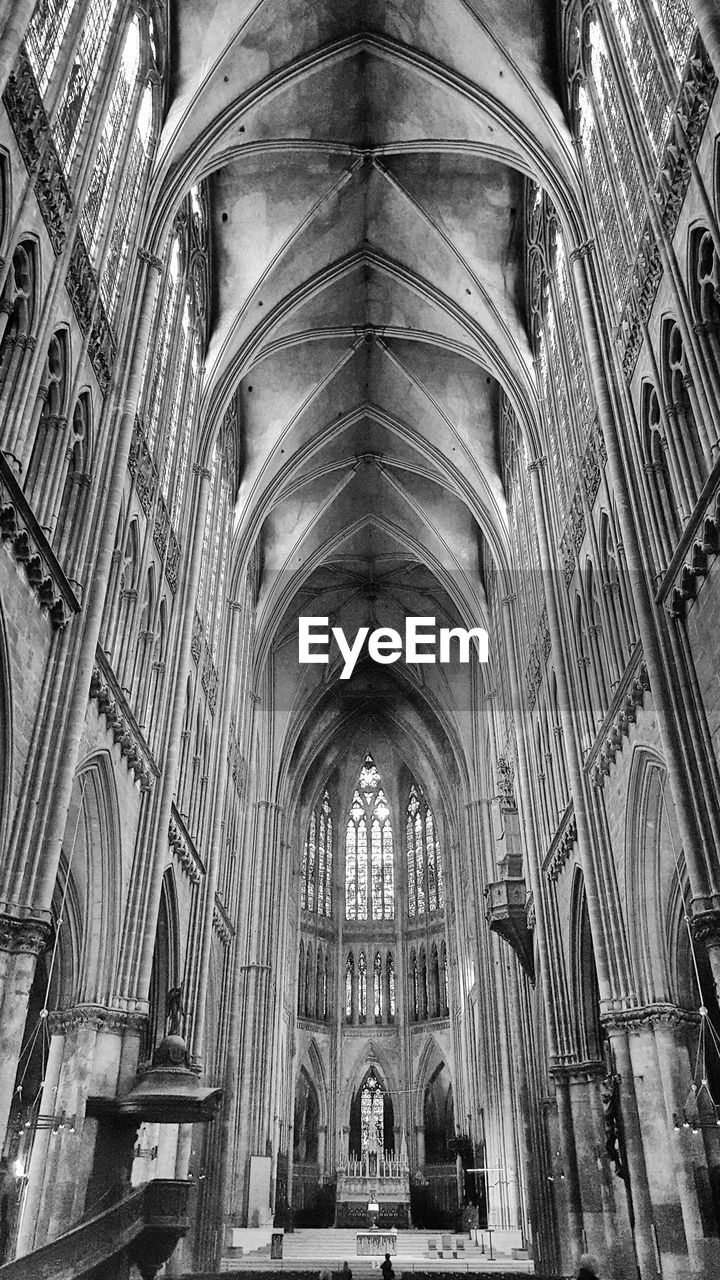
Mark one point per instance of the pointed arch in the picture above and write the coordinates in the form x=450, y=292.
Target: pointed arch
x=369, y=856
x=586, y=992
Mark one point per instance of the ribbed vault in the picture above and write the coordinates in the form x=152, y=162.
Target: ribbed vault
x=367, y=173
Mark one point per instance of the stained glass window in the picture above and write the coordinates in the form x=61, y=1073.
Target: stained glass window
x=362, y=987
x=391, y=986
x=349, y=968
x=44, y=37
x=426, y=890
x=369, y=813
x=371, y=1115
x=377, y=986
x=317, y=860
x=82, y=77
x=678, y=24
x=644, y=70
x=107, y=160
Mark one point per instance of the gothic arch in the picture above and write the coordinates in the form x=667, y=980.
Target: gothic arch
x=311, y=1062
x=432, y=1060
x=92, y=846
x=652, y=854
x=585, y=990
x=372, y=1056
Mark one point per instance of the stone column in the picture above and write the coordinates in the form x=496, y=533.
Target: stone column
x=22, y=937
x=420, y=1145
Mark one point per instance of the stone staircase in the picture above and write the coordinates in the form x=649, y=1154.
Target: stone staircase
x=308, y=1250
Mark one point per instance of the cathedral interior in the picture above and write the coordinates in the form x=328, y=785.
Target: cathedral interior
x=359, y=312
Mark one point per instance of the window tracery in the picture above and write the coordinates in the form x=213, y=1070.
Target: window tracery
x=372, y=1116
x=369, y=870
x=426, y=892
x=318, y=860
x=45, y=35
x=112, y=144
x=82, y=77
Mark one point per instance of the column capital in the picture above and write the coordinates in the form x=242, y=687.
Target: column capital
x=151, y=259
x=27, y=935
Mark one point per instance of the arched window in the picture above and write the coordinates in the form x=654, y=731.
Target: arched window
x=216, y=541
x=681, y=401
x=603, y=203
x=158, y=353
x=391, y=986
x=372, y=1114
x=444, y=979
x=108, y=159
x=317, y=860
x=301, y=978
x=52, y=394
x=369, y=825
x=17, y=312
x=349, y=974
x=377, y=986
x=362, y=987
x=82, y=77
x=424, y=864
x=414, y=985
x=643, y=69
x=117, y=254
x=667, y=507
x=70, y=519
x=45, y=35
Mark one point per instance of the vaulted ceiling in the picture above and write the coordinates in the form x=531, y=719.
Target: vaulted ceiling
x=366, y=162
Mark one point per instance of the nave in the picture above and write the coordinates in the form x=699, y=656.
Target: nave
x=402, y=324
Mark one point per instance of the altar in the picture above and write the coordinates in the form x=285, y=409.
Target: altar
x=376, y=1243
x=380, y=1180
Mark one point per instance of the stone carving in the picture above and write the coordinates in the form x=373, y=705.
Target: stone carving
x=175, y=1011
x=120, y=721
x=24, y=936
x=506, y=784
x=167, y=544
x=81, y=284
x=221, y=923
x=184, y=850
x=142, y=467
x=210, y=682
x=540, y=650
x=619, y=729
x=563, y=846
x=610, y=1098
x=29, y=546
x=197, y=639
x=693, y=573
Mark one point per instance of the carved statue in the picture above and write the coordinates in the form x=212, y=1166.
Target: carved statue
x=611, y=1117
x=175, y=1011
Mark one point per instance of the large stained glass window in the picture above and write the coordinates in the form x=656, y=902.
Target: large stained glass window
x=371, y=1115
x=317, y=860
x=45, y=35
x=369, y=873
x=424, y=864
